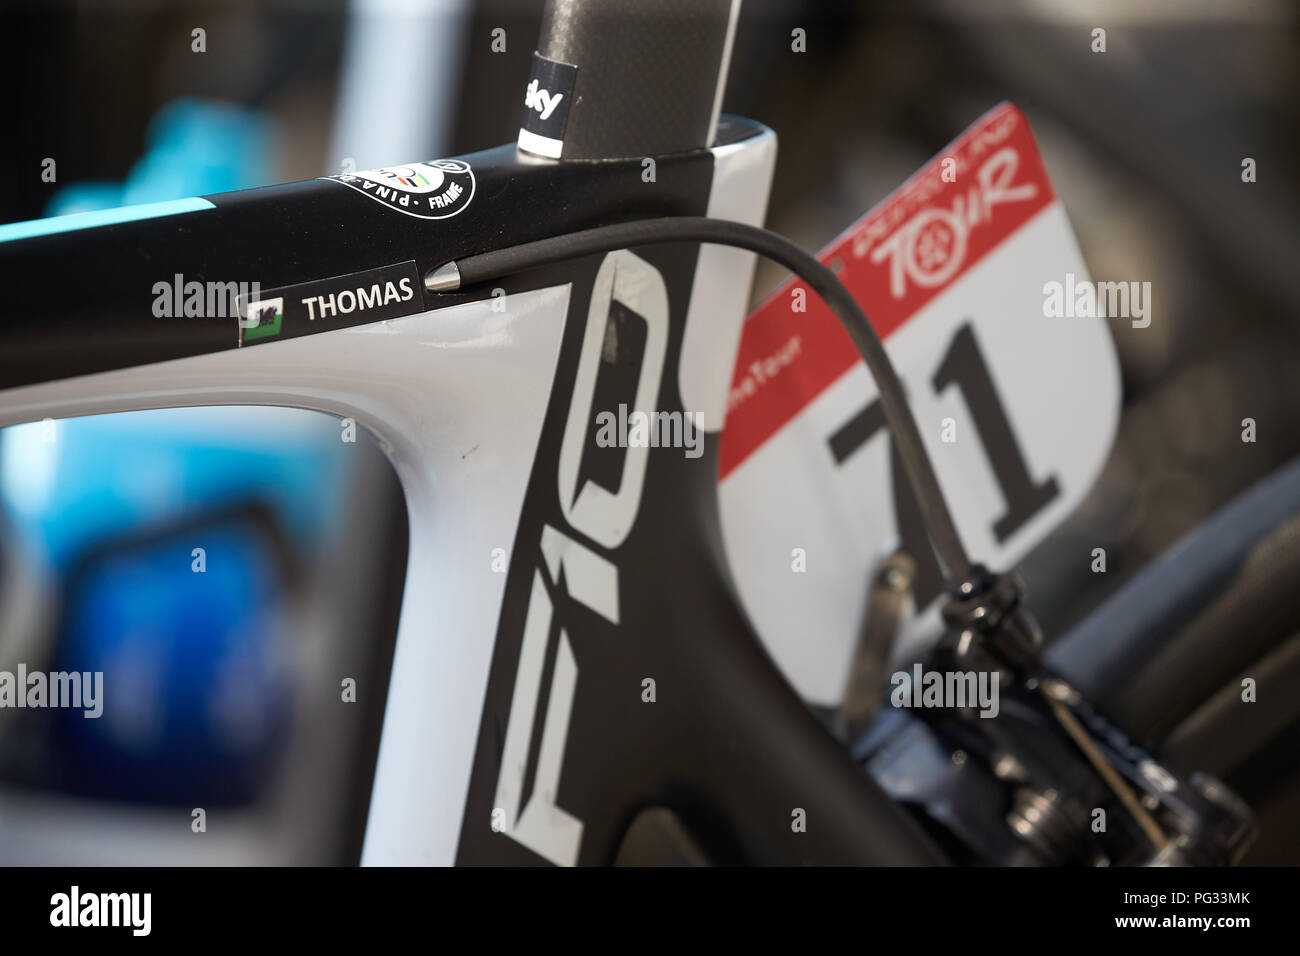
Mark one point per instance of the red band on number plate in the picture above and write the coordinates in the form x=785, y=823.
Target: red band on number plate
x=898, y=257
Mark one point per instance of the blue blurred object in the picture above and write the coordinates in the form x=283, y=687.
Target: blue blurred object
x=198, y=683
x=196, y=665
x=193, y=148
x=197, y=690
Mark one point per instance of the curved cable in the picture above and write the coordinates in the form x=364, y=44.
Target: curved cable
x=500, y=262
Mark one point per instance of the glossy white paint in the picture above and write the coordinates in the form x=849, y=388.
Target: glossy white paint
x=456, y=398
x=742, y=179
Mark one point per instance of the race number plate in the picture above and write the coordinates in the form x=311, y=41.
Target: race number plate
x=1018, y=410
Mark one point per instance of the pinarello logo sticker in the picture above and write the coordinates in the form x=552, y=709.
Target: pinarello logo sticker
x=434, y=190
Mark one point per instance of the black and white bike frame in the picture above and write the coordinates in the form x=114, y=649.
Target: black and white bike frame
x=516, y=728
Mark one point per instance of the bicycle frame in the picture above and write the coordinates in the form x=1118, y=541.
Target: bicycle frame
x=518, y=725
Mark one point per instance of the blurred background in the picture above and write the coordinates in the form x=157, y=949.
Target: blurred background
x=226, y=570
x=1144, y=146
